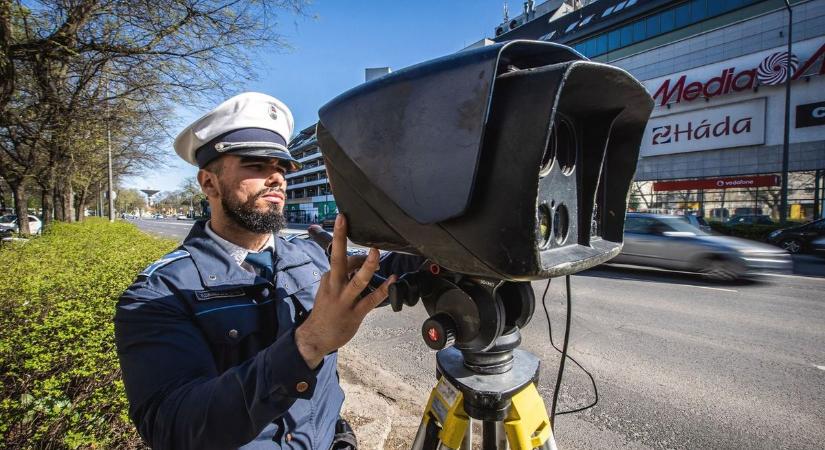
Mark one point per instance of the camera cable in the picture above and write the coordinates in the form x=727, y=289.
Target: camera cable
x=564, y=355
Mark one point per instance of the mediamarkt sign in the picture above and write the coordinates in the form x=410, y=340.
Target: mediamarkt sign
x=740, y=74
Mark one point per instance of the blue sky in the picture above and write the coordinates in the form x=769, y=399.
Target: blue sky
x=330, y=52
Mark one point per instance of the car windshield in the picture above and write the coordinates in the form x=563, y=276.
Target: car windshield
x=8, y=218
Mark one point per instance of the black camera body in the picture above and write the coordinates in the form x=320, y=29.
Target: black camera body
x=507, y=162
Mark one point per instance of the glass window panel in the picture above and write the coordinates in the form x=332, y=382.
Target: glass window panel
x=586, y=20
x=570, y=27
x=613, y=41
x=590, y=50
x=653, y=25
x=639, y=31
x=607, y=11
x=619, y=6
x=626, y=35
x=629, y=3
x=715, y=7
x=698, y=10
x=682, y=15
x=601, y=44
x=667, y=21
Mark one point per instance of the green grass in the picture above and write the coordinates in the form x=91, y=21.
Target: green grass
x=61, y=384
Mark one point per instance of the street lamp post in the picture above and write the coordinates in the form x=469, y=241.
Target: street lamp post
x=783, y=206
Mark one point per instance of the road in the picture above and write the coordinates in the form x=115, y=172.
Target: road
x=678, y=362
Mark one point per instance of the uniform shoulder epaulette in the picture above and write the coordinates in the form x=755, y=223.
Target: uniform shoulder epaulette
x=166, y=259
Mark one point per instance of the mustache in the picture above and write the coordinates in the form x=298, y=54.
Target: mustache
x=266, y=191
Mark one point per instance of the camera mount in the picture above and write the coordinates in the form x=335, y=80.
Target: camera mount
x=475, y=323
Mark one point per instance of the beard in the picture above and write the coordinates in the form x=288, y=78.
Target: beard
x=247, y=215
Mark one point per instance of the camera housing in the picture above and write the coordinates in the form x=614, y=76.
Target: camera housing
x=508, y=162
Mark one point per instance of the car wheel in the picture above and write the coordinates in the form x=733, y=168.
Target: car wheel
x=791, y=245
x=720, y=269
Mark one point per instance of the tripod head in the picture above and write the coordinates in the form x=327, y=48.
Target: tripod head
x=479, y=317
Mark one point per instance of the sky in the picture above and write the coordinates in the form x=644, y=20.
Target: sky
x=331, y=49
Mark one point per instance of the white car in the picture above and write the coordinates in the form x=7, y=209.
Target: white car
x=9, y=221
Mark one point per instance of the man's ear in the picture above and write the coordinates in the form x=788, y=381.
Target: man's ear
x=209, y=183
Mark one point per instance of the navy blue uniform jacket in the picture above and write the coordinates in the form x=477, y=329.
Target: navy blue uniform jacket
x=208, y=351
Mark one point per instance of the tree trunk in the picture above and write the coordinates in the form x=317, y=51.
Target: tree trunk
x=68, y=202
x=58, y=205
x=46, y=199
x=21, y=209
x=80, y=209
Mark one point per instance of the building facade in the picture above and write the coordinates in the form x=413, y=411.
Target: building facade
x=308, y=195
x=716, y=70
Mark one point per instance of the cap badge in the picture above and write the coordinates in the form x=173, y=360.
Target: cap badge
x=273, y=111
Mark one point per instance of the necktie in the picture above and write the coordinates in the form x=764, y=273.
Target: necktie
x=262, y=262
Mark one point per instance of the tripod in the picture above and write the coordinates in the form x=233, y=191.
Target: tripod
x=482, y=375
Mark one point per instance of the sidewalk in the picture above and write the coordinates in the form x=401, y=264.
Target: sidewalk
x=382, y=409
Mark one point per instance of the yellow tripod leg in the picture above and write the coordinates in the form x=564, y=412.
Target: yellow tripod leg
x=446, y=405
x=527, y=424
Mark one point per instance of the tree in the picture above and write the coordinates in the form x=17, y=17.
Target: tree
x=70, y=66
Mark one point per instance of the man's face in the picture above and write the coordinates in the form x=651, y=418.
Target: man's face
x=252, y=192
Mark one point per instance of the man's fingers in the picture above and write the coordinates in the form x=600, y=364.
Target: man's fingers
x=354, y=262
x=338, y=258
x=370, y=302
x=362, y=277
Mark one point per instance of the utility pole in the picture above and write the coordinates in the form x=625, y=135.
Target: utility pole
x=783, y=205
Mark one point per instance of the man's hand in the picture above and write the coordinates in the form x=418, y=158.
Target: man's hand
x=338, y=312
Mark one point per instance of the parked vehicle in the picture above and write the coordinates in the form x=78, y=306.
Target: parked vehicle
x=328, y=222
x=9, y=222
x=670, y=242
x=818, y=246
x=750, y=219
x=181, y=217
x=798, y=238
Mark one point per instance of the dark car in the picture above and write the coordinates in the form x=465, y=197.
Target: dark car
x=750, y=219
x=799, y=238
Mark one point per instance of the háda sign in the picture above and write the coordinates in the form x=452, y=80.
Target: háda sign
x=740, y=74
x=731, y=125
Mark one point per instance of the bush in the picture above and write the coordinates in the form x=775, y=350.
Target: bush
x=60, y=374
x=754, y=232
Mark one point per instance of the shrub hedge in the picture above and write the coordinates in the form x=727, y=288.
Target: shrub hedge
x=61, y=384
x=754, y=232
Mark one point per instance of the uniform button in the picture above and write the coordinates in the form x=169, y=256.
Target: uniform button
x=315, y=273
x=289, y=437
x=213, y=277
x=302, y=386
x=233, y=333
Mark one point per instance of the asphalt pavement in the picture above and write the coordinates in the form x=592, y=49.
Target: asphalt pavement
x=679, y=362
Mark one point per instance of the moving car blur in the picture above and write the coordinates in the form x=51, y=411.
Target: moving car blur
x=799, y=238
x=671, y=242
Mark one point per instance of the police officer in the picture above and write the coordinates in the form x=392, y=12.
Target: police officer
x=216, y=341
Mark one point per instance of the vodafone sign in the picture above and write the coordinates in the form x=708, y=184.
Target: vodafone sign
x=717, y=183
x=740, y=74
